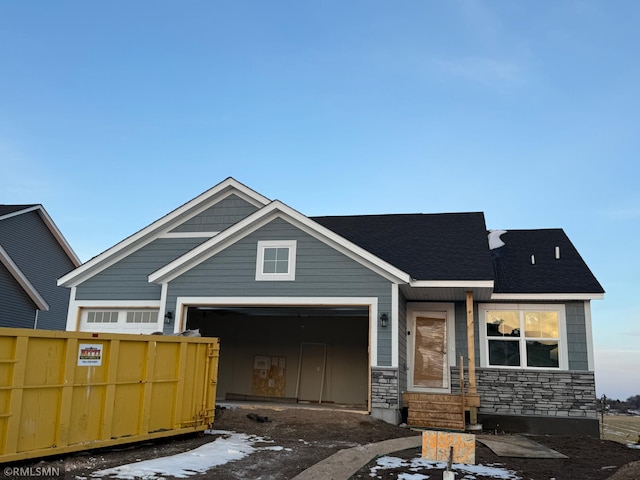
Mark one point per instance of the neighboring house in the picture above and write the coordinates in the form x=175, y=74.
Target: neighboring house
x=373, y=311
x=33, y=255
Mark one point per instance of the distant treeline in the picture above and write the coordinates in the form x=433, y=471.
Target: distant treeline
x=631, y=403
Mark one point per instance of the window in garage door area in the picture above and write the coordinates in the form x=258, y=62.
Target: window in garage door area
x=120, y=320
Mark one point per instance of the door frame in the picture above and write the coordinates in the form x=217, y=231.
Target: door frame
x=424, y=310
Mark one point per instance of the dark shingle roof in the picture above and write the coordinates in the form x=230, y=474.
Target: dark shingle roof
x=7, y=209
x=516, y=274
x=447, y=246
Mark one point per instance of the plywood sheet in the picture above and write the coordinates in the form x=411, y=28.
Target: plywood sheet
x=437, y=445
x=269, y=376
x=430, y=352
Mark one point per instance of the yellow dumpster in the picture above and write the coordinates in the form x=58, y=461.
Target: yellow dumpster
x=68, y=391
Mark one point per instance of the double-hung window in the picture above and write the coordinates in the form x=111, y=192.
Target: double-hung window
x=276, y=260
x=523, y=336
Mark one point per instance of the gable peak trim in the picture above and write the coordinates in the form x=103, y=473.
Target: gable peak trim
x=149, y=233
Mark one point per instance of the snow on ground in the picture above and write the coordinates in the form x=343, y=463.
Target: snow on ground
x=228, y=447
x=417, y=464
x=634, y=445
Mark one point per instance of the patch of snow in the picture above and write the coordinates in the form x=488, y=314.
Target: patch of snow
x=412, y=476
x=494, y=239
x=229, y=447
x=418, y=464
x=634, y=445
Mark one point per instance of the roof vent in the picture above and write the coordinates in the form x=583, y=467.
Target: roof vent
x=557, y=253
x=533, y=259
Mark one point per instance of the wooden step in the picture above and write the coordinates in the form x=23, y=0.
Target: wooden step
x=439, y=411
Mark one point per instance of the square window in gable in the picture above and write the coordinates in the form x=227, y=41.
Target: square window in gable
x=276, y=260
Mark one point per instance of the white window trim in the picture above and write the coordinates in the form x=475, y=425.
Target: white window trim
x=563, y=353
x=121, y=326
x=76, y=307
x=264, y=244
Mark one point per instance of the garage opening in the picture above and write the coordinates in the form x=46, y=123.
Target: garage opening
x=289, y=354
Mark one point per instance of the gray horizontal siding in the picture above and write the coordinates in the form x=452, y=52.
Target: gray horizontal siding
x=17, y=310
x=219, y=217
x=128, y=279
x=39, y=256
x=320, y=272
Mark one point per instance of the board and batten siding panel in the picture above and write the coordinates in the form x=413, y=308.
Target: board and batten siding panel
x=128, y=278
x=218, y=217
x=577, y=336
x=39, y=256
x=321, y=271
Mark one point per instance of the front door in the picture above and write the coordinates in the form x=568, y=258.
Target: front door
x=430, y=361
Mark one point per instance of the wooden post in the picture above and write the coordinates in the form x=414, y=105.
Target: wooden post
x=471, y=350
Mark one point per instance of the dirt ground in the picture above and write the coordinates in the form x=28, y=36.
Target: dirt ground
x=310, y=435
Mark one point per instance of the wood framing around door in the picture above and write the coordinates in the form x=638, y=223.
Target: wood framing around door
x=312, y=347
x=431, y=346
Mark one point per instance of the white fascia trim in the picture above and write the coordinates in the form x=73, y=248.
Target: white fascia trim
x=275, y=209
x=53, y=228
x=23, y=281
x=588, y=326
x=371, y=302
x=452, y=283
x=547, y=296
x=161, y=226
x=344, y=246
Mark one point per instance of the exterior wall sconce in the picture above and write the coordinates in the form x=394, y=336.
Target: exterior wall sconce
x=384, y=320
x=168, y=317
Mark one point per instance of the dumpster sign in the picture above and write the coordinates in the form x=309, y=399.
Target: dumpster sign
x=89, y=354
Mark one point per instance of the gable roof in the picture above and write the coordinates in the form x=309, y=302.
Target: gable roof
x=446, y=250
x=164, y=224
x=275, y=209
x=446, y=246
x=516, y=274
x=8, y=211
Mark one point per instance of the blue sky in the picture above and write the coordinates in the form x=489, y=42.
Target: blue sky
x=114, y=113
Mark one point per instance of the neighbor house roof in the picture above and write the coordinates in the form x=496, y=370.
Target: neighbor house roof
x=8, y=211
x=445, y=246
x=530, y=263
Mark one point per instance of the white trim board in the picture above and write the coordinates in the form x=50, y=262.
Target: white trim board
x=162, y=226
x=255, y=221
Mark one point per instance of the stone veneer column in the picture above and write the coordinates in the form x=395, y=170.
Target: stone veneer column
x=385, y=397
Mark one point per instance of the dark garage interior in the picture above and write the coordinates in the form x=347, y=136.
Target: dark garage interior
x=289, y=353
